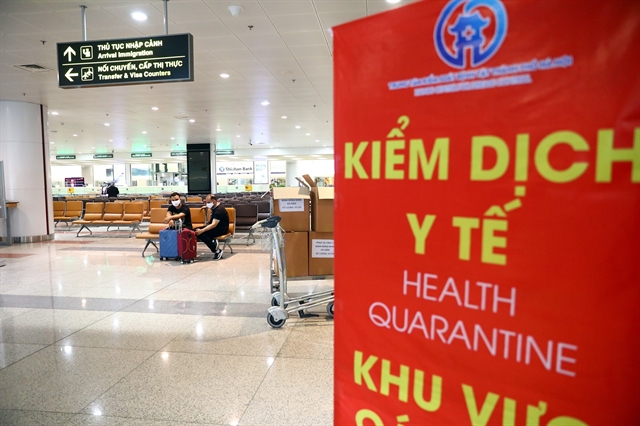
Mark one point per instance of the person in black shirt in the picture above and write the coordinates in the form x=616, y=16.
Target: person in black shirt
x=113, y=191
x=178, y=210
x=217, y=225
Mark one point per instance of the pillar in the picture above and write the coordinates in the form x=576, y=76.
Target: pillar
x=214, y=170
x=291, y=173
x=24, y=149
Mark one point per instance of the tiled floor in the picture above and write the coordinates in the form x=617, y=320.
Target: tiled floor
x=96, y=334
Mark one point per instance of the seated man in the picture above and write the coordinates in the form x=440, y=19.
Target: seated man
x=178, y=210
x=217, y=225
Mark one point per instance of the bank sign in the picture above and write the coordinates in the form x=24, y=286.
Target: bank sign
x=154, y=59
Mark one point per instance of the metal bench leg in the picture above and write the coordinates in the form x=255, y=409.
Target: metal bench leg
x=84, y=227
x=251, y=235
x=147, y=245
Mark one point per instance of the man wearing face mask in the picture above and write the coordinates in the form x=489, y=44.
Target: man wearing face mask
x=217, y=225
x=178, y=210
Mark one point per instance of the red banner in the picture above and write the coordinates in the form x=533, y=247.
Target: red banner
x=487, y=222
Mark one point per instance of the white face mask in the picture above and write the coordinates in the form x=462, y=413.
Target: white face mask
x=175, y=203
x=209, y=205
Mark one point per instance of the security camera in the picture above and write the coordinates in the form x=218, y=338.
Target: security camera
x=250, y=142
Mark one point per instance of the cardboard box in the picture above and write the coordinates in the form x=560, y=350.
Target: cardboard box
x=321, y=206
x=296, y=250
x=292, y=204
x=320, y=253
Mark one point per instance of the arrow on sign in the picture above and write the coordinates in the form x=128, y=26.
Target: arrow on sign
x=69, y=74
x=69, y=52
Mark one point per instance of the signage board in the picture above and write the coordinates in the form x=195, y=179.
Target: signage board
x=74, y=182
x=141, y=155
x=260, y=170
x=225, y=152
x=65, y=157
x=179, y=153
x=504, y=149
x=141, y=60
x=98, y=156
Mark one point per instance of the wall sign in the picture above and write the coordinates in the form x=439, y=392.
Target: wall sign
x=97, y=156
x=65, y=157
x=504, y=157
x=141, y=154
x=153, y=59
x=179, y=153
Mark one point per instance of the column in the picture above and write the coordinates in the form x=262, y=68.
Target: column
x=291, y=173
x=214, y=170
x=24, y=148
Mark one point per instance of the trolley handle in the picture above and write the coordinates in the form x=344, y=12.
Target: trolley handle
x=270, y=222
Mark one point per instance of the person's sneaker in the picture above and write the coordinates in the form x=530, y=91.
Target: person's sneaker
x=218, y=254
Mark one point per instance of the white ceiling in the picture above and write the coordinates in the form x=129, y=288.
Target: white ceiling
x=290, y=40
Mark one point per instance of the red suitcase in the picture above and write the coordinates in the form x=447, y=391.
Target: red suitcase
x=187, y=245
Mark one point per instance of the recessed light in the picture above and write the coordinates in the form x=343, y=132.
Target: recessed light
x=218, y=129
x=93, y=147
x=317, y=140
x=393, y=1
x=107, y=124
x=110, y=140
x=75, y=134
x=297, y=127
x=224, y=75
x=324, y=146
x=192, y=121
x=172, y=138
x=237, y=136
x=265, y=103
x=144, y=132
x=139, y=16
x=284, y=116
x=308, y=134
x=154, y=108
x=54, y=112
x=51, y=143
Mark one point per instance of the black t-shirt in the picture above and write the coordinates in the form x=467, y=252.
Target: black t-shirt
x=186, y=220
x=113, y=191
x=220, y=213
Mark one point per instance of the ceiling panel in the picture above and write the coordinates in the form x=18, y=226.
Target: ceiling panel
x=284, y=8
x=288, y=41
x=296, y=23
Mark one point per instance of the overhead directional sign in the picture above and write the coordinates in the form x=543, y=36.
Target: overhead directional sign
x=155, y=59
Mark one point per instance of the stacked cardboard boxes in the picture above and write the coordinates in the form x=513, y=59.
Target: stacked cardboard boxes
x=308, y=226
x=292, y=204
x=321, y=235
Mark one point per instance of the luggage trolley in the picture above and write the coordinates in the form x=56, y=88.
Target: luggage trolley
x=272, y=236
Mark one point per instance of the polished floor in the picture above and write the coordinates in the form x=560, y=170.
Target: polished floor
x=92, y=333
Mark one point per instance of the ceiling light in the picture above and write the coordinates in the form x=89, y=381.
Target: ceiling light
x=172, y=138
x=317, y=140
x=154, y=108
x=110, y=140
x=75, y=134
x=218, y=129
x=93, y=147
x=107, y=124
x=144, y=132
x=237, y=136
x=51, y=143
x=297, y=127
x=324, y=146
x=54, y=112
x=308, y=134
x=393, y=1
x=265, y=103
x=192, y=121
x=224, y=75
x=284, y=116
x=235, y=10
x=139, y=16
